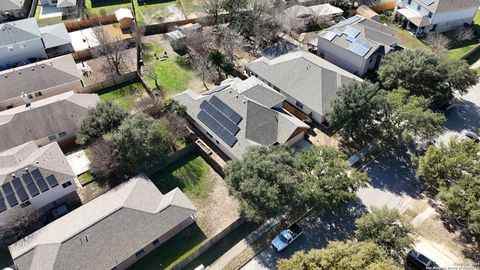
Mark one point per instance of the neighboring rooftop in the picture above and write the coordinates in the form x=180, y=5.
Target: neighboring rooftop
x=28, y=162
x=11, y=4
x=18, y=31
x=66, y=3
x=317, y=11
x=44, y=118
x=38, y=76
x=105, y=231
x=304, y=76
x=435, y=6
x=242, y=113
x=55, y=35
x=361, y=36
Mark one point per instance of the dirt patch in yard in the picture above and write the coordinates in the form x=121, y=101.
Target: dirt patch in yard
x=102, y=70
x=218, y=210
x=320, y=138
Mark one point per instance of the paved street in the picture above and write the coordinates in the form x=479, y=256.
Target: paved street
x=393, y=184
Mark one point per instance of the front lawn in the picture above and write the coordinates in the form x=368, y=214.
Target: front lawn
x=124, y=94
x=172, y=77
x=173, y=251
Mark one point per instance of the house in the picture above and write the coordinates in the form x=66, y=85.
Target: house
x=238, y=114
x=112, y=231
x=20, y=41
x=56, y=118
x=308, y=82
x=301, y=18
x=436, y=16
x=23, y=42
x=190, y=29
x=14, y=9
x=356, y=44
x=66, y=6
x=39, y=80
x=36, y=179
x=56, y=40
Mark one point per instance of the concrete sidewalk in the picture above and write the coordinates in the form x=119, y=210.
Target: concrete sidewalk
x=223, y=261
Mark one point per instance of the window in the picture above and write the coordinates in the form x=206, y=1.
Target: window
x=434, y=27
x=67, y=184
x=419, y=7
x=11, y=49
x=409, y=2
x=62, y=134
x=299, y=104
x=430, y=14
x=209, y=135
x=155, y=242
x=217, y=141
x=52, y=137
x=140, y=253
x=25, y=204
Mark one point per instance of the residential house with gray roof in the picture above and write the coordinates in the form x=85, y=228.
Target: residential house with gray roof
x=56, y=118
x=36, y=179
x=238, y=114
x=436, y=16
x=356, y=44
x=11, y=10
x=39, y=80
x=68, y=7
x=110, y=232
x=23, y=42
x=308, y=82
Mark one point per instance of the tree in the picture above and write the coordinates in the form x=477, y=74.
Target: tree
x=438, y=43
x=454, y=169
x=140, y=144
x=103, y=118
x=112, y=48
x=105, y=162
x=329, y=180
x=356, y=110
x=264, y=181
x=408, y=118
x=18, y=226
x=235, y=8
x=218, y=59
x=425, y=74
x=340, y=256
x=153, y=75
x=213, y=8
x=383, y=227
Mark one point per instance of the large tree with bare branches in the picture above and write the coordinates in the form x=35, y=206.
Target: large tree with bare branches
x=112, y=48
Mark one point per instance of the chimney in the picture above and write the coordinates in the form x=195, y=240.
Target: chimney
x=26, y=100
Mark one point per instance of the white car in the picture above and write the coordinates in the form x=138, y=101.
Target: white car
x=469, y=135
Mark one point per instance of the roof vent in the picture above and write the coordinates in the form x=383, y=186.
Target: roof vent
x=26, y=169
x=37, y=162
x=244, y=101
x=13, y=175
x=236, y=96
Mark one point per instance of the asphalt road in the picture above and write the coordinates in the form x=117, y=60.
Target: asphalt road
x=393, y=184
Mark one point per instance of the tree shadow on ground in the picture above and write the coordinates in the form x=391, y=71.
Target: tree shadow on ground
x=103, y=3
x=319, y=227
x=393, y=171
x=465, y=115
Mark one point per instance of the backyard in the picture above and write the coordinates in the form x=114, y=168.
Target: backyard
x=209, y=194
x=125, y=94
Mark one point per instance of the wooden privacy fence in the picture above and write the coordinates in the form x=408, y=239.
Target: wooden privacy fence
x=115, y=80
x=87, y=54
x=162, y=28
x=84, y=24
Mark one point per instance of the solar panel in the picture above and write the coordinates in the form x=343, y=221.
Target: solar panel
x=32, y=188
x=52, y=181
x=363, y=43
x=329, y=36
x=220, y=117
x=17, y=184
x=227, y=111
x=358, y=49
x=3, y=207
x=42, y=185
x=217, y=128
x=351, y=32
x=8, y=190
x=349, y=38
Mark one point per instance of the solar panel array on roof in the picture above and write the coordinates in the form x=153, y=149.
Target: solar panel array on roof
x=3, y=207
x=220, y=117
x=227, y=111
x=42, y=185
x=52, y=181
x=217, y=128
x=22, y=194
x=351, y=32
x=329, y=36
x=428, y=2
x=32, y=188
x=8, y=191
x=359, y=47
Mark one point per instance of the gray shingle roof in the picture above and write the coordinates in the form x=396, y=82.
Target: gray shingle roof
x=55, y=35
x=66, y=3
x=117, y=224
x=304, y=76
x=254, y=101
x=38, y=76
x=11, y=4
x=43, y=118
x=18, y=31
x=449, y=5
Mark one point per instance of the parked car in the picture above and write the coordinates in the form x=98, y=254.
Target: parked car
x=418, y=261
x=469, y=135
x=286, y=237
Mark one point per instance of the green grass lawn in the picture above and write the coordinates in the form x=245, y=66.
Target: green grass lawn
x=191, y=174
x=172, y=77
x=124, y=94
x=459, y=51
x=5, y=258
x=189, y=7
x=86, y=178
x=222, y=246
x=48, y=21
x=173, y=251
x=405, y=39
